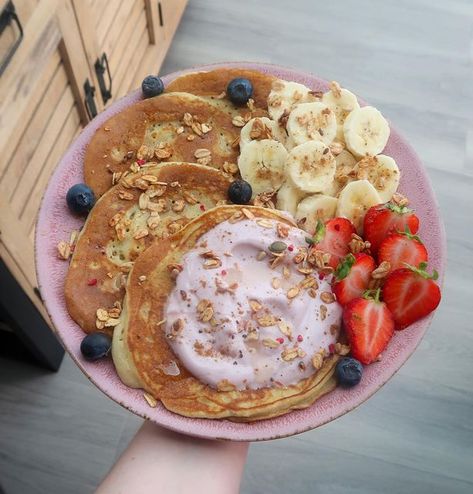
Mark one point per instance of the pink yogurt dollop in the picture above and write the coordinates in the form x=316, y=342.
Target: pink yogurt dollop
x=246, y=339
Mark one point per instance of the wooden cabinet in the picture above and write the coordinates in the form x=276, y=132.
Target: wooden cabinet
x=74, y=58
x=127, y=41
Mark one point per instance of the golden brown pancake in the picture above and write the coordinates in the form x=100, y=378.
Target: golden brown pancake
x=214, y=83
x=140, y=345
x=143, y=208
x=159, y=129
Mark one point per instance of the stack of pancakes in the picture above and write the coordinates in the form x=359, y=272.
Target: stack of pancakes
x=161, y=169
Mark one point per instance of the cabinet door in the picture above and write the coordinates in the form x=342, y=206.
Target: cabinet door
x=170, y=13
x=42, y=108
x=125, y=40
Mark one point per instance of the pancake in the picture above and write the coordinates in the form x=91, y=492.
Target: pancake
x=214, y=83
x=144, y=358
x=124, y=222
x=159, y=129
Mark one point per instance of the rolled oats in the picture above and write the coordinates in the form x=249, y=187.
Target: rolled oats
x=276, y=283
x=64, y=250
x=270, y=343
x=293, y=292
x=238, y=121
x=341, y=349
x=285, y=329
x=189, y=197
x=202, y=153
x=323, y=312
x=163, y=151
x=151, y=400
x=143, y=201
x=248, y=213
x=317, y=361
x=231, y=168
x=327, y=297
x=125, y=195
x=141, y=234
x=289, y=354
x=178, y=206
x=264, y=223
x=111, y=322
x=145, y=153
x=102, y=314
x=282, y=230
x=212, y=263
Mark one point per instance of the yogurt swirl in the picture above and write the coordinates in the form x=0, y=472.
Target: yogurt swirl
x=246, y=317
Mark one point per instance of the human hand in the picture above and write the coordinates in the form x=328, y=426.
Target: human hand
x=161, y=461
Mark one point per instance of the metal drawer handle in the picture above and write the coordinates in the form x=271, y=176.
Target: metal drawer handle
x=160, y=12
x=8, y=16
x=101, y=66
x=89, y=101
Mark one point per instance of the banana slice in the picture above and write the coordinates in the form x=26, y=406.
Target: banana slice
x=366, y=131
x=314, y=208
x=355, y=199
x=285, y=95
x=263, y=165
x=311, y=166
x=261, y=128
x=312, y=122
x=288, y=198
x=342, y=102
x=345, y=163
x=382, y=172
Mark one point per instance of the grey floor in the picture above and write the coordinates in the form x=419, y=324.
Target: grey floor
x=412, y=59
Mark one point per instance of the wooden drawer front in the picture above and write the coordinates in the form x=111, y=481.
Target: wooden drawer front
x=50, y=126
x=127, y=52
x=41, y=111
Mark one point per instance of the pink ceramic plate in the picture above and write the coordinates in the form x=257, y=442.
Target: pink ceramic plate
x=55, y=223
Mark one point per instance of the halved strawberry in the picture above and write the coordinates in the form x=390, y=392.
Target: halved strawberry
x=400, y=249
x=411, y=293
x=352, y=277
x=333, y=237
x=382, y=219
x=369, y=326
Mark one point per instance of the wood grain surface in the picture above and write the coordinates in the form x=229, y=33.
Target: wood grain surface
x=413, y=60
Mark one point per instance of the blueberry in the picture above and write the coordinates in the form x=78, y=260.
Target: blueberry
x=348, y=372
x=80, y=199
x=95, y=346
x=240, y=192
x=152, y=86
x=239, y=91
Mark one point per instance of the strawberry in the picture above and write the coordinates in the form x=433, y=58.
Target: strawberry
x=333, y=237
x=352, y=277
x=411, y=293
x=382, y=219
x=369, y=326
x=400, y=249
